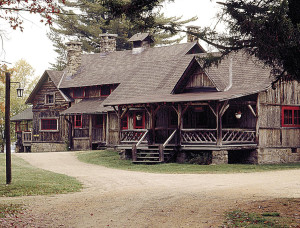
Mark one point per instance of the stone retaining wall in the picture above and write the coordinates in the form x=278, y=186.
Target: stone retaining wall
x=48, y=147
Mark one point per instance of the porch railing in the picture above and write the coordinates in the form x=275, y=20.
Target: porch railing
x=26, y=137
x=202, y=136
x=238, y=136
x=132, y=136
x=209, y=136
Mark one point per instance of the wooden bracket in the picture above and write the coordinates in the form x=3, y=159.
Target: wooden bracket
x=252, y=110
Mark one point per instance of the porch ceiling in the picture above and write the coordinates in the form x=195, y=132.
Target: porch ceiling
x=87, y=106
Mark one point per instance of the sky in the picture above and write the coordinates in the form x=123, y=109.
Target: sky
x=33, y=45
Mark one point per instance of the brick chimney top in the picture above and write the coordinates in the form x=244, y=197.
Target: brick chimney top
x=108, y=43
x=74, y=51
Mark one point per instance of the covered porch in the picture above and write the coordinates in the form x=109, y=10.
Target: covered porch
x=176, y=127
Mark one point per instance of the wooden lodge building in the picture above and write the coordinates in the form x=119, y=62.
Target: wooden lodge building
x=159, y=104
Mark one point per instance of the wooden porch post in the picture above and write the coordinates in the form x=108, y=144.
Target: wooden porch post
x=180, y=124
x=91, y=130
x=219, y=125
x=119, y=124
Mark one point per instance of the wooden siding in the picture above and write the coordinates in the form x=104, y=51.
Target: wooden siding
x=199, y=79
x=271, y=133
x=42, y=110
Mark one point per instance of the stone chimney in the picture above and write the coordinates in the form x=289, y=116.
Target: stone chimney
x=108, y=43
x=74, y=52
x=191, y=37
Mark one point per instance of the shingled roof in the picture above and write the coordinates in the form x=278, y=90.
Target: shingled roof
x=117, y=67
x=25, y=115
x=249, y=76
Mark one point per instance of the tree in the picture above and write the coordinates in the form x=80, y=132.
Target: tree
x=21, y=72
x=94, y=18
x=267, y=29
x=10, y=10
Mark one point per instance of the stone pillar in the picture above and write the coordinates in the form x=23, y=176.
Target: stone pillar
x=108, y=43
x=73, y=56
x=219, y=157
x=191, y=37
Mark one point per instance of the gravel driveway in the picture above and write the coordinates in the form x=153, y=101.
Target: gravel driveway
x=117, y=198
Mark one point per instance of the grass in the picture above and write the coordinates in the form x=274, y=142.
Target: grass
x=111, y=159
x=255, y=220
x=28, y=180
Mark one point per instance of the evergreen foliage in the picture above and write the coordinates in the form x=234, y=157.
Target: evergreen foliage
x=84, y=20
x=267, y=29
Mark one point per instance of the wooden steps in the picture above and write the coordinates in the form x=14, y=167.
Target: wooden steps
x=152, y=154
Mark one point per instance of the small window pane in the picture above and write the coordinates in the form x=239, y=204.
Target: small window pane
x=79, y=92
x=288, y=117
x=297, y=117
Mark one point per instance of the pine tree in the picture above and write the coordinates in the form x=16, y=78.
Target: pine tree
x=93, y=18
x=267, y=29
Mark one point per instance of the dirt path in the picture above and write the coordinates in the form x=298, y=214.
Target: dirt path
x=117, y=198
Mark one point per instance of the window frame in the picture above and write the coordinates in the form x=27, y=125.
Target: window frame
x=47, y=98
x=48, y=119
x=293, y=109
x=75, y=121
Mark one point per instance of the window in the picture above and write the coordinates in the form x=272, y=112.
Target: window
x=124, y=122
x=49, y=124
x=78, y=121
x=139, y=120
x=290, y=116
x=79, y=93
x=49, y=98
x=105, y=90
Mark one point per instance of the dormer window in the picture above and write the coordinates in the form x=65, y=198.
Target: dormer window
x=79, y=93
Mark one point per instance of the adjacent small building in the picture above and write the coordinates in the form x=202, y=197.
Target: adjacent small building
x=161, y=104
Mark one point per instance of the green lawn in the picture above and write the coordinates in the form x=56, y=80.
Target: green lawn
x=111, y=159
x=28, y=180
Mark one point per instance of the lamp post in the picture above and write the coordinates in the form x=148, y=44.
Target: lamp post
x=7, y=124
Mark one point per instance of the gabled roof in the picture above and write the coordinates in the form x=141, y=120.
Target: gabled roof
x=117, y=67
x=55, y=76
x=25, y=115
x=249, y=76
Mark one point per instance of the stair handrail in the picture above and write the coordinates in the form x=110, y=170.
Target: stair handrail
x=169, y=139
x=142, y=139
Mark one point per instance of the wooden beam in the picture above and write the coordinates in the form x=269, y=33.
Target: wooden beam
x=224, y=107
x=212, y=109
x=219, y=125
x=124, y=112
x=252, y=110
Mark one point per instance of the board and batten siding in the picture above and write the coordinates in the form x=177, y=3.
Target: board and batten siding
x=271, y=133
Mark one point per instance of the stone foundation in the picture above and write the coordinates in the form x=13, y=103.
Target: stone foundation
x=219, y=157
x=48, y=147
x=276, y=155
